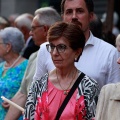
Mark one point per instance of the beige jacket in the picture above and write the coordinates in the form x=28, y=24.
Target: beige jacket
x=29, y=73
x=108, y=107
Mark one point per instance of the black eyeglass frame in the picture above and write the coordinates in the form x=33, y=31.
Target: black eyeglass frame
x=60, y=48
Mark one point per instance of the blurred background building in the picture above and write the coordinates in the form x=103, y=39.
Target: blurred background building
x=10, y=7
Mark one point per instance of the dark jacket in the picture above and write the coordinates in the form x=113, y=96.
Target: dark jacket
x=31, y=48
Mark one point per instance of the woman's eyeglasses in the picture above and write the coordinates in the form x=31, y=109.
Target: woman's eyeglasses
x=60, y=48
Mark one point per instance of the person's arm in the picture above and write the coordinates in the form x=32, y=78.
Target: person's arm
x=91, y=95
x=14, y=113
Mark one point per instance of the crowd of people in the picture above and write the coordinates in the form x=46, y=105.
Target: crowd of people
x=59, y=67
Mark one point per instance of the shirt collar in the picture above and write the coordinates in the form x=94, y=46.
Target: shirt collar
x=28, y=40
x=91, y=40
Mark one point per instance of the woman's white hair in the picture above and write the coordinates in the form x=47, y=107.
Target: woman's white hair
x=14, y=37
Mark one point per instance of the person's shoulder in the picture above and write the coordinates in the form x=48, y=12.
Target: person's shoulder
x=90, y=82
x=104, y=46
x=110, y=90
x=111, y=86
x=107, y=45
x=25, y=60
x=90, y=85
x=43, y=45
x=42, y=80
x=43, y=50
x=33, y=55
x=24, y=63
x=100, y=43
x=89, y=79
x=103, y=43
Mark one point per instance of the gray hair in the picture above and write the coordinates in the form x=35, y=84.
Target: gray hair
x=118, y=39
x=47, y=16
x=24, y=20
x=14, y=37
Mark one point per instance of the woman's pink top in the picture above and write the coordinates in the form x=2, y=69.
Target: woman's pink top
x=55, y=99
x=51, y=101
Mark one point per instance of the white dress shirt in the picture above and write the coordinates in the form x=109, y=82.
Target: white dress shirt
x=98, y=61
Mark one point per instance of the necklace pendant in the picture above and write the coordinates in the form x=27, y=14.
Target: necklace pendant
x=66, y=92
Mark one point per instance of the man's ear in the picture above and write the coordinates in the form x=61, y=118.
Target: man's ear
x=92, y=15
x=46, y=28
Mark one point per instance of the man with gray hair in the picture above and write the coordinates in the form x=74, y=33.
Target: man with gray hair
x=23, y=23
x=44, y=18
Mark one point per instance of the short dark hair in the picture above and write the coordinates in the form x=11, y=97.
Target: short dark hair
x=71, y=32
x=89, y=4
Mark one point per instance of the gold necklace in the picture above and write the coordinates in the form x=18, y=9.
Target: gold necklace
x=67, y=89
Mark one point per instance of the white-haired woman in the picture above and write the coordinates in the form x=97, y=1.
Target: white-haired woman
x=13, y=67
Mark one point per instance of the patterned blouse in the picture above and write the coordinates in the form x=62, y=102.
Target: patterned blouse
x=88, y=90
x=10, y=82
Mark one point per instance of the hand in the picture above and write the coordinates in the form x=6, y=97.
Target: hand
x=5, y=105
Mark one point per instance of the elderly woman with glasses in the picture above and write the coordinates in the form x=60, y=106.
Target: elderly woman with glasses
x=47, y=95
x=14, y=65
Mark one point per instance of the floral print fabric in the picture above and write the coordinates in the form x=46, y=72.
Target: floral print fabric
x=10, y=82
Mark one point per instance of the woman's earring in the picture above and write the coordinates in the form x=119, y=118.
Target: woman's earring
x=75, y=59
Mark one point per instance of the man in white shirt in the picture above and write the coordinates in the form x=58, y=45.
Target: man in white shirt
x=98, y=59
